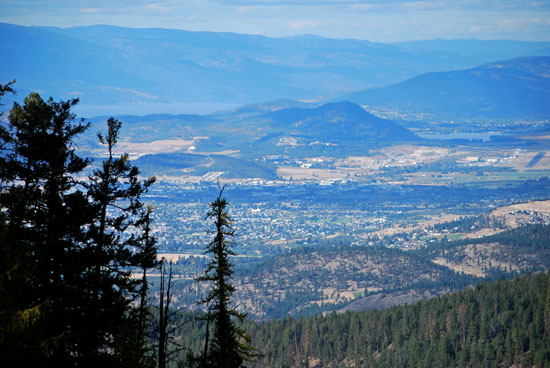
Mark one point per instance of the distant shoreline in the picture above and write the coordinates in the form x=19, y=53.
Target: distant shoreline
x=91, y=111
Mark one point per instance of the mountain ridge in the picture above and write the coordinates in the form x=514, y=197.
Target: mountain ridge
x=514, y=88
x=115, y=65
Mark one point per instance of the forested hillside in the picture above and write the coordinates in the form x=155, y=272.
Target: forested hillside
x=336, y=276
x=493, y=325
x=199, y=165
x=313, y=280
x=496, y=324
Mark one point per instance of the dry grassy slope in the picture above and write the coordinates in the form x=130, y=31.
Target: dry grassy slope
x=491, y=258
x=522, y=249
x=483, y=259
x=307, y=281
x=332, y=275
x=359, y=278
x=374, y=277
x=362, y=278
x=479, y=259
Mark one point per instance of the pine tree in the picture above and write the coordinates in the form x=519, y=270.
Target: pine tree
x=19, y=315
x=228, y=345
x=65, y=288
x=44, y=211
x=115, y=193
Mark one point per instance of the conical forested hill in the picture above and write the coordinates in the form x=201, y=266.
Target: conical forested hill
x=344, y=121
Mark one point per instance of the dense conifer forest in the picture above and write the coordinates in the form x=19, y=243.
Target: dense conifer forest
x=496, y=324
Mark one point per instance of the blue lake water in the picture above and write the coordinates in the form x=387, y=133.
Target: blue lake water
x=479, y=136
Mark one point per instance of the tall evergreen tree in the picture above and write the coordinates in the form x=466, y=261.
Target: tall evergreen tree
x=228, y=344
x=115, y=194
x=66, y=249
x=44, y=211
x=19, y=317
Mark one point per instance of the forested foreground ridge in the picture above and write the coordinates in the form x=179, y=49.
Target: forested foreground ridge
x=494, y=324
x=497, y=324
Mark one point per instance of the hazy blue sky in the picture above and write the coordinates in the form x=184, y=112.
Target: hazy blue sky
x=391, y=20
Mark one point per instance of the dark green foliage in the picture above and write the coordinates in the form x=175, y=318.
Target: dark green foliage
x=388, y=272
x=7, y=88
x=44, y=214
x=22, y=336
x=66, y=263
x=492, y=325
x=495, y=324
x=114, y=191
x=238, y=168
x=165, y=299
x=535, y=236
x=228, y=345
x=146, y=259
x=466, y=224
x=167, y=162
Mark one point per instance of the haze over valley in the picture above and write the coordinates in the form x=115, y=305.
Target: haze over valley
x=359, y=176
x=384, y=170
x=436, y=157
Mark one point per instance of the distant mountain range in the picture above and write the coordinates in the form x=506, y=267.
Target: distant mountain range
x=516, y=88
x=106, y=65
